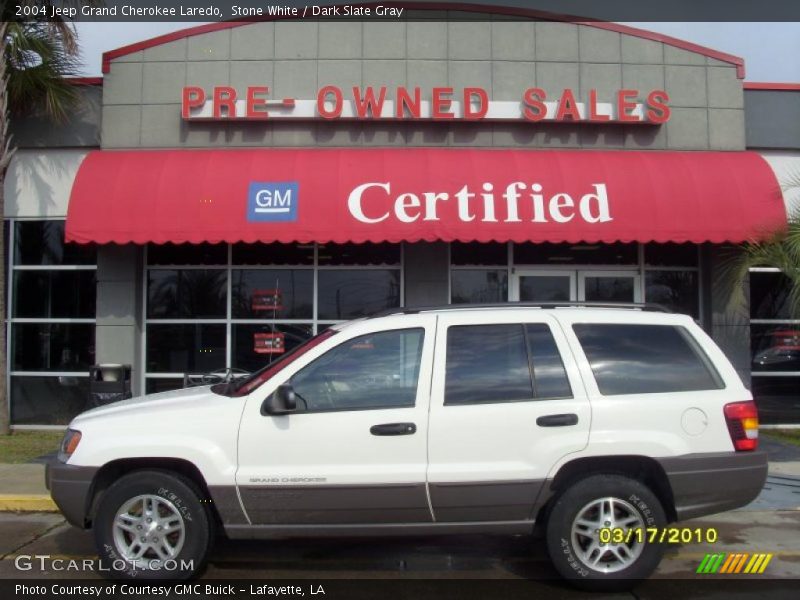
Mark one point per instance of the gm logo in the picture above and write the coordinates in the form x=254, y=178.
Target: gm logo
x=272, y=201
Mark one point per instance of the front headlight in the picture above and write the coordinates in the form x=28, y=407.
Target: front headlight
x=69, y=444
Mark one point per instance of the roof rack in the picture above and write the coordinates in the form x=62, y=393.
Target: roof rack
x=643, y=306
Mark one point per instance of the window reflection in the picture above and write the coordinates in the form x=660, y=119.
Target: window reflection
x=280, y=294
x=349, y=294
x=42, y=243
x=487, y=363
x=775, y=347
x=47, y=400
x=53, y=346
x=250, y=356
x=769, y=296
x=187, y=294
x=642, y=359
x=476, y=286
x=185, y=348
x=677, y=290
x=378, y=370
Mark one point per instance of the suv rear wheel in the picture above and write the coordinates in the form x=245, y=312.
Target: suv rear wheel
x=152, y=525
x=583, y=511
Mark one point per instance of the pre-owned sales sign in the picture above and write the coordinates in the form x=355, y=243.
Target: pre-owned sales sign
x=437, y=104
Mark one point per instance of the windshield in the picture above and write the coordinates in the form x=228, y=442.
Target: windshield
x=245, y=385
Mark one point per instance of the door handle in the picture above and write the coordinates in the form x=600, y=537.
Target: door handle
x=393, y=429
x=557, y=420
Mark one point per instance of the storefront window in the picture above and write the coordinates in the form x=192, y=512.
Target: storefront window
x=59, y=294
x=52, y=327
x=53, y=400
x=670, y=255
x=273, y=254
x=185, y=348
x=359, y=254
x=42, y=243
x=52, y=347
x=672, y=277
x=474, y=286
x=576, y=254
x=350, y=294
x=777, y=398
x=187, y=254
x=775, y=348
x=186, y=294
x=212, y=307
x=249, y=343
x=769, y=295
x=273, y=294
x=478, y=254
x=677, y=290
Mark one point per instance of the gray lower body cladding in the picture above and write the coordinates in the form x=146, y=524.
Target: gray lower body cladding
x=70, y=487
x=485, y=501
x=336, y=504
x=708, y=483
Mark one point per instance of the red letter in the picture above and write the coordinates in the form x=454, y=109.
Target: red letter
x=405, y=102
x=337, y=102
x=593, y=116
x=626, y=100
x=368, y=104
x=193, y=97
x=224, y=96
x=657, y=109
x=534, y=108
x=568, y=107
x=254, y=103
x=483, y=103
x=440, y=104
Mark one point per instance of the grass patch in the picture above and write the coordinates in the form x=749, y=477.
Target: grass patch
x=791, y=436
x=24, y=446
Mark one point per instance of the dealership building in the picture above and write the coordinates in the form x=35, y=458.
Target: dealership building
x=227, y=191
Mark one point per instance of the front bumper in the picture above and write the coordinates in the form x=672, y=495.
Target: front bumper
x=70, y=487
x=704, y=484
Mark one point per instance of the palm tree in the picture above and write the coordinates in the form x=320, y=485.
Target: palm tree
x=36, y=59
x=780, y=249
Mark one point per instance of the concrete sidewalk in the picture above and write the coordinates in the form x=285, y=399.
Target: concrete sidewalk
x=22, y=487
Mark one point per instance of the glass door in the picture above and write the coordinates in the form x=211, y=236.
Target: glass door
x=609, y=286
x=544, y=286
x=576, y=286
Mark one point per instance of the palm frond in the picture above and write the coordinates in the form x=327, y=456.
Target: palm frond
x=781, y=251
x=37, y=63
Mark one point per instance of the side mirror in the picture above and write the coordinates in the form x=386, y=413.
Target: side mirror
x=281, y=402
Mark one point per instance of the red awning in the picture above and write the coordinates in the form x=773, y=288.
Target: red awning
x=413, y=194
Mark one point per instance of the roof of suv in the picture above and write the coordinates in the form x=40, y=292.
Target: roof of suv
x=648, y=307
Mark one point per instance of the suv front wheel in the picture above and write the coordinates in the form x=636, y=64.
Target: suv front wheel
x=580, y=548
x=152, y=525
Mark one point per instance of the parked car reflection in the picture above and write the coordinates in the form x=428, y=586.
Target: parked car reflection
x=780, y=351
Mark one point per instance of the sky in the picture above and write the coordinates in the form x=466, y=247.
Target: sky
x=771, y=50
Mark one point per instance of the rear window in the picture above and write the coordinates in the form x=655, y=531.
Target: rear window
x=645, y=359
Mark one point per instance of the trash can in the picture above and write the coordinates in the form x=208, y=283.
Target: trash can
x=109, y=383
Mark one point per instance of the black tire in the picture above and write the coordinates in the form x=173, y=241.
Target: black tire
x=173, y=491
x=561, y=544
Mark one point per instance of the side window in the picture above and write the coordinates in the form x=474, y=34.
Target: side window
x=374, y=371
x=486, y=363
x=549, y=376
x=642, y=359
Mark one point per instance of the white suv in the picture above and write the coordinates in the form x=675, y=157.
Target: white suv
x=430, y=421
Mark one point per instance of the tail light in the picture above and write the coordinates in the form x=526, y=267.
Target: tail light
x=742, y=419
